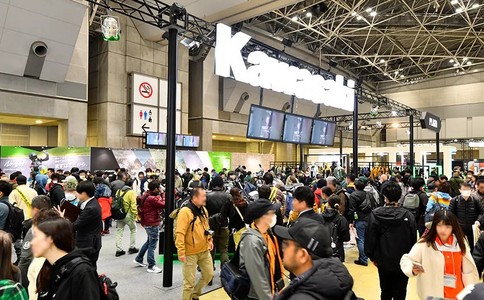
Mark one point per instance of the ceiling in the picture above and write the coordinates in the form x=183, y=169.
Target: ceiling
x=55, y=22
x=384, y=42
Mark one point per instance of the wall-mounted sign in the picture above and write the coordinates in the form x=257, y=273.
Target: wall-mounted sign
x=269, y=73
x=144, y=90
x=430, y=121
x=142, y=114
x=164, y=94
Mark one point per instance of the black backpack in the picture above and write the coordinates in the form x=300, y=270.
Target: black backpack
x=117, y=206
x=15, y=219
x=334, y=238
x=368, y=204
x=107, y=287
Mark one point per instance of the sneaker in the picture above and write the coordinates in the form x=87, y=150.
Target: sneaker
x=360, y=263
x=140, y=264
x=133, y=250
x=119, y=253
x=154, y=269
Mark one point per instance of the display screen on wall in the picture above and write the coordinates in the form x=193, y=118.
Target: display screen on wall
x=265, y=124
x=191, y=141
x=323, y=133
x=297, y=129
x=160, y=139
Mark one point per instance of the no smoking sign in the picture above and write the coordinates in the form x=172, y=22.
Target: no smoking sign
x=145, y=90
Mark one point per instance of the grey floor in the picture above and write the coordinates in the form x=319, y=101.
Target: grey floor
x=134, y=282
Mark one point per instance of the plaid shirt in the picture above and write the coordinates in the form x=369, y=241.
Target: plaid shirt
x=10, y=290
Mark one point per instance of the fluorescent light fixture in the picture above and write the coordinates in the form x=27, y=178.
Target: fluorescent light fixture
x=459, y=10
x=369, y=9
x=476, y=144
x=38, y=122
x=475, y=5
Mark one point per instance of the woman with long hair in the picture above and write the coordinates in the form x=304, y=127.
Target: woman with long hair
x=441, y=259
x=10, y=275
x=66, y=270
x=236, y=215
x=332, y=215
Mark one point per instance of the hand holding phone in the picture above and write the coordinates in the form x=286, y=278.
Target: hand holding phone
x=417, y=268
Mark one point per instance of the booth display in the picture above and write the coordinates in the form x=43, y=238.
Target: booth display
x=265, y=124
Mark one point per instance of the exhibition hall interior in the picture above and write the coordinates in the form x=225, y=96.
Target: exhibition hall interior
x=252, y=149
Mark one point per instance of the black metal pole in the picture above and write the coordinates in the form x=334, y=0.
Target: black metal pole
x=355, y=136
x=437, y=149
x=170, y=155
x=301, y=157
x=412, y=150
x=261, y=96
x=293, y=99
x=341, y=148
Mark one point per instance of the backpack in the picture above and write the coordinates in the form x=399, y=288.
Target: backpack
x=107, y=287
x=118, y=212
x=15, y=219
x=235, y=281
x=368, y=204
x=174, y=214
x=411, y=202
x=334, y=238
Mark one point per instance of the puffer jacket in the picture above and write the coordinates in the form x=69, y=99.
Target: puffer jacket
x=150, y=206
x=468, y=212
x=440, y=199
x=102, y=190
x=338, y=283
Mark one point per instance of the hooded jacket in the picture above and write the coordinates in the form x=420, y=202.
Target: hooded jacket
x=151, y=205
x=56, y=194
x=391, y=233
x=81, y=278
x=328, y=279
x=438, y=198
x=333, y=216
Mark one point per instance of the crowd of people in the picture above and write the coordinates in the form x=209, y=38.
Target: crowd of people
x=289, y=230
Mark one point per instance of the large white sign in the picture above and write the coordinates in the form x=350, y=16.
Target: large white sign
x=140, y=115
x=144, y=90
x=269, y=73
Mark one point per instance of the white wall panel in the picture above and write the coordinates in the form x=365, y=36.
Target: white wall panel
x=456, y=128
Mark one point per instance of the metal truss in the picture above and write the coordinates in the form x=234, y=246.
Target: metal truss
x=158, y=14
x=385, y=41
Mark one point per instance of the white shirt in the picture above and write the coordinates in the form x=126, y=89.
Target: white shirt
x=83, y=204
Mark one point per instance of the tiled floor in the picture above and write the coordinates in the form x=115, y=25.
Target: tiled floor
x=366, y=281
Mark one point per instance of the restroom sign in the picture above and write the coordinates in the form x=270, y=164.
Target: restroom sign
x=145, y=90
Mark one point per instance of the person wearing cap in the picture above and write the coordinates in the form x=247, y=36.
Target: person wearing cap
x=308, y=255
x=391, y=233
x=360, y=218
x=259, y=251
x=70, y=187
x=23, y=196
x=303, y=204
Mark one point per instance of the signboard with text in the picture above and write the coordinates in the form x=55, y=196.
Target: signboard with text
x=431, y=122
x=144, y=89
x=142, y=114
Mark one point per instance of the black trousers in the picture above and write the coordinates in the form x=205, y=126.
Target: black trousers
x=393, y=284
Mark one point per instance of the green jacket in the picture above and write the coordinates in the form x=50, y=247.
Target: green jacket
x=10, y=290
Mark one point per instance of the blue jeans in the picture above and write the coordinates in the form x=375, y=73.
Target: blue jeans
x=360, y=241
x=150, y=246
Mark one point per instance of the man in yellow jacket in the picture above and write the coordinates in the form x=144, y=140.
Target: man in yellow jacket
x=193, y=240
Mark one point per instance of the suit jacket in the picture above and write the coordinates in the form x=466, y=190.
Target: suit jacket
x=88, y=226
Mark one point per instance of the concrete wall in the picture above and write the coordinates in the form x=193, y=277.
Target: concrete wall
x=109, y=65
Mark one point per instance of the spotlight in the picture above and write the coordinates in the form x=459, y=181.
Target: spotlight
x=382, y=60
x=454, y=2
x=309, y=14
x=110, y=28
x=452, y=61
x=394, y=113
x=294, y=18
x=395, y=125
x=459, y=10
x=373, y=14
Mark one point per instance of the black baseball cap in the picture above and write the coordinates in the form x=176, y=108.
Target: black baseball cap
x=309, y=234
x=257, y=209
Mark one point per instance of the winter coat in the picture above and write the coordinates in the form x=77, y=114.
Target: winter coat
x=356, y=199
x=217, y=200
x=151, y=205
x=88, y=226
x=431, y=282
x=81, y=278
x=391, y=233
x=105, y=204
x=56, y=194
x=468, y=212
x=333, y=216
x=438, y=198
x=328, y=279
x=478, y=254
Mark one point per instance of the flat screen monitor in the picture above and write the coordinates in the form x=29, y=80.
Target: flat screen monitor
x=191, y=141
x=265, y=124
x=155, y=139
x=179, y=140
x=297, y=129
x=323, y=133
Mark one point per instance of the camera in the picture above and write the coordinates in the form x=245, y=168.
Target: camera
x=209, y=232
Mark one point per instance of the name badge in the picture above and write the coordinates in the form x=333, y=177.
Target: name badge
x=450, y=281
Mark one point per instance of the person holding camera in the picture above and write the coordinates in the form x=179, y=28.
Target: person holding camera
x=193, y=240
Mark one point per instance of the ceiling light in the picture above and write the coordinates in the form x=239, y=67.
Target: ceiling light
x=402, y=76
x=382, y=60
x=465, y=59
x=394, y=113
x=396, y=72
x=407, y=131
x=373, y=13
x=386, y=74
x=459, y=10
x=456, y=65
x=353, y=13
x=39, y=121
x=395, y=125
x=359, y=18
x=475, y=5
x=294, y=18
x=214, y=136
x=309, y=14
x=454, y=2
x=452, y=61
x=231, y=137
x=369, y=9
x=469, y=63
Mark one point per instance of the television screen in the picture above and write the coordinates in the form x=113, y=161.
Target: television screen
x=323, y=133
x=191, y=141
x=156, y=139
x=265, y=124
x=179, y=140
x=297, y=129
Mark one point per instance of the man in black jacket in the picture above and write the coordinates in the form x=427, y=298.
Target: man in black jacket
x=468, y=210
x=478, y=254
x=307, y=254
x=187, y=177
x=360, y=216
x=56, y=192
x=219, y=202
x=88, y=225
x=303, y=204
x=391, y=233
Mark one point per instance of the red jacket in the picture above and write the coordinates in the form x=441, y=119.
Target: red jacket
x=150, y=206
x=105, y=203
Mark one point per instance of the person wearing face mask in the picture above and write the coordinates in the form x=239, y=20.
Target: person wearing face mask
x=468, y=210
x=259, y=251
x=441, y=260
x=70, y=190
